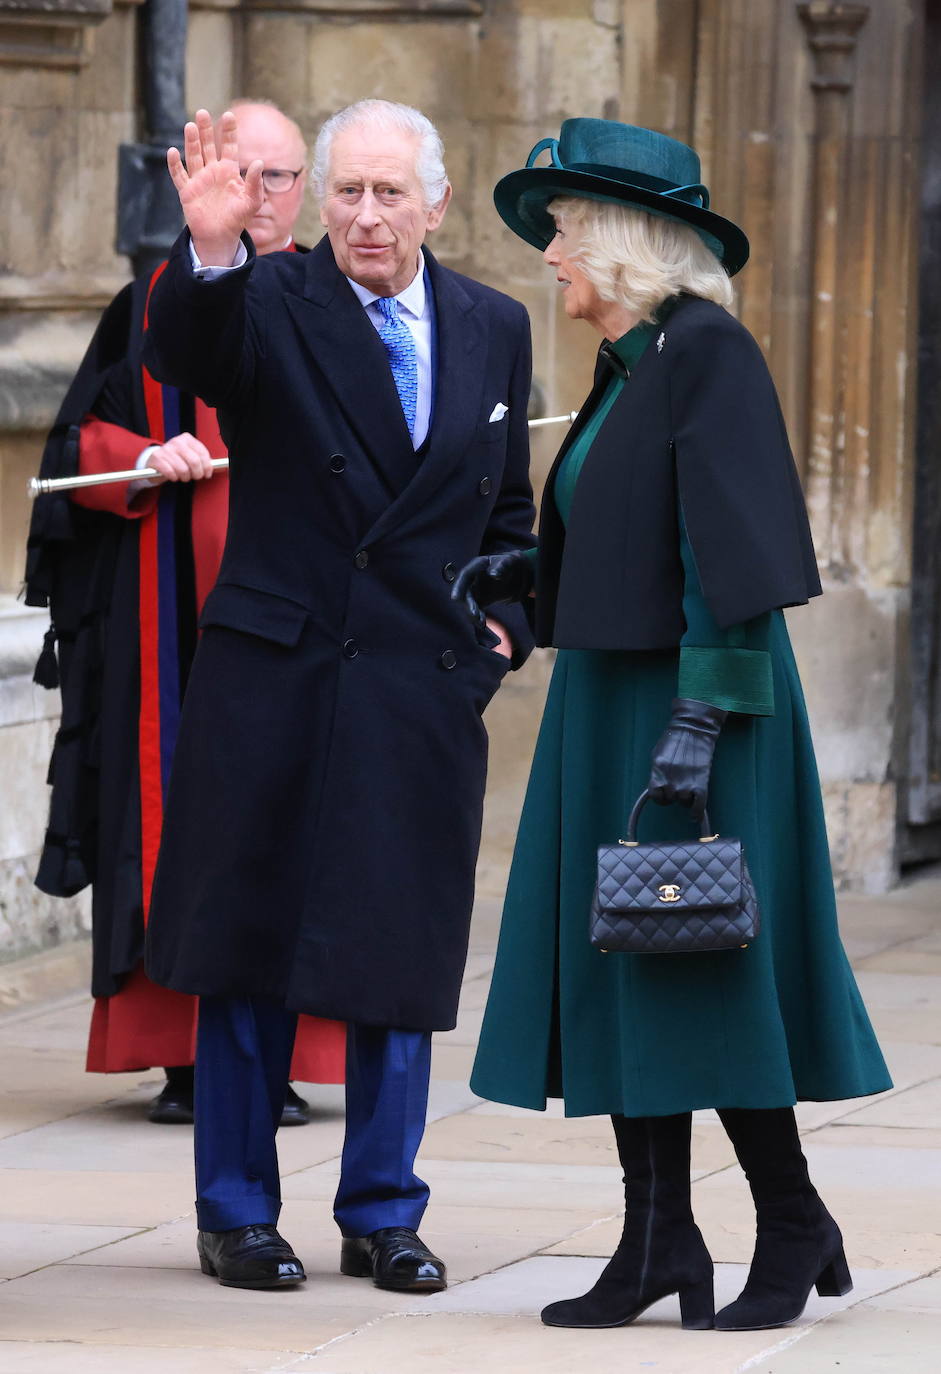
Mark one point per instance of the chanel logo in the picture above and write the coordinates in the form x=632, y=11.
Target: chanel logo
x=669, y=892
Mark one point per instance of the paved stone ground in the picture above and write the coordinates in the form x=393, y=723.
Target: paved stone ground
x=97, y=1265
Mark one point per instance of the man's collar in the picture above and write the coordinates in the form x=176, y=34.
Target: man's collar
x=412, y=298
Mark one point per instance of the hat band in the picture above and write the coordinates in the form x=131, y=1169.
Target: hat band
x=694, y=194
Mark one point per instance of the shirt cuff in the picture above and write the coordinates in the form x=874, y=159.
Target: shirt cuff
x=737, y=680
x=145, y=484
x=210, y=273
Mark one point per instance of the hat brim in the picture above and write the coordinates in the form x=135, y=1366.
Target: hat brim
x=521, y=199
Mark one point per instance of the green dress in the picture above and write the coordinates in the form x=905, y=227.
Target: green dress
x=650, y=1035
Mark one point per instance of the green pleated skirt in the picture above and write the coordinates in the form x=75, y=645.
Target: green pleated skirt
x=646, y=1034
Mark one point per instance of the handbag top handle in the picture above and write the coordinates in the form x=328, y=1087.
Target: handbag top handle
x=705, y=834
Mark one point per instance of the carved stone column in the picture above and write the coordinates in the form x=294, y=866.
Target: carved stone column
x=832, y=30
x=863, y=65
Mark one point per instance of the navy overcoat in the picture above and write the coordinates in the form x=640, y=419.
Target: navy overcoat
x=323, y=815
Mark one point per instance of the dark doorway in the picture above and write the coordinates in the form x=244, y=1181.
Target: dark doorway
x=921, y=835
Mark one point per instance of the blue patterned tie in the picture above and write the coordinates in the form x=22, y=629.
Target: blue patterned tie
x=403, y=359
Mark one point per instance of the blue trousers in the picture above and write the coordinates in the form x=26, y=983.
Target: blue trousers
x=243, y=1059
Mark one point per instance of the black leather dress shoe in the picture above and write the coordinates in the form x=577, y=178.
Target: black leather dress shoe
x=296, y=1110
x=394, y=1258
x=174, y=1105
x=249, y=1257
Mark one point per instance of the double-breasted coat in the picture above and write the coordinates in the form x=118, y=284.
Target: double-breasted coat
x=323, y=815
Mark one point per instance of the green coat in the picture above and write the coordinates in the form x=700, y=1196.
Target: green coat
x=650, y=1035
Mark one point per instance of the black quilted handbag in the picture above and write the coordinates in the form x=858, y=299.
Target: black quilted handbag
x=675, y=897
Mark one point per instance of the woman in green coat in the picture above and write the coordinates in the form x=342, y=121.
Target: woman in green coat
x=673, y=531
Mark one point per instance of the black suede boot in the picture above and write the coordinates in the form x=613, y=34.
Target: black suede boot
x=661, y=1250
x=798, y=1245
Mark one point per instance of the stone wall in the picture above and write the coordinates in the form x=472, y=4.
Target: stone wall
x=67, y=100
x=29, y=920
x=806, y=117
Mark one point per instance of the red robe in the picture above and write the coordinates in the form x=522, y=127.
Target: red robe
x=144, y=1025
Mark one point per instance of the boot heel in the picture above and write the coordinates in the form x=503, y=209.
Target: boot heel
x=207, y=1267
x=834, y=1281
x=697, y=1306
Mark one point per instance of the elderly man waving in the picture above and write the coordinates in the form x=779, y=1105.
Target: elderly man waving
x=323, y=815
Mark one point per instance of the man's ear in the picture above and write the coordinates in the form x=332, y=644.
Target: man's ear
x=436, y=215
x=323, y=217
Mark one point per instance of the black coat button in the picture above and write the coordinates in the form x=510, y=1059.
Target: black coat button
x=362, y=559
x=449, y=659
x=485, y=486
x=449, y=572
x=350, y=648
x=337, y=462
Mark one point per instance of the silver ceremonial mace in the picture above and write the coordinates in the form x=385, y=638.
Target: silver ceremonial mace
x=43, y=486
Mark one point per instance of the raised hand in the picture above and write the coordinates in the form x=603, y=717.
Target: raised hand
x=216, y=201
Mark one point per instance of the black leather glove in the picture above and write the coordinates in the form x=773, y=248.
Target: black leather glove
x=682, y=756
x=491, y=578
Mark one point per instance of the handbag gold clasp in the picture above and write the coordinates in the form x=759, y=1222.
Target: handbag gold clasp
x=669, y=892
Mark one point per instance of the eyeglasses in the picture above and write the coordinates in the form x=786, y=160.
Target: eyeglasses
x=275, y=180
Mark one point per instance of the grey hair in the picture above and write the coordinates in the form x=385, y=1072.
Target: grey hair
x=388, y=114
x=637, y=259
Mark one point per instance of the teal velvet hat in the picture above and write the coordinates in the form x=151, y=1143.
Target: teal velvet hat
x=599, y=159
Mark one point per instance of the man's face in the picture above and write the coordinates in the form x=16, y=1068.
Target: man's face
x=374, y=207
x=265, y=134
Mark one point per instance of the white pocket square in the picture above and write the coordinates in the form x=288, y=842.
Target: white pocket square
x=498, y=411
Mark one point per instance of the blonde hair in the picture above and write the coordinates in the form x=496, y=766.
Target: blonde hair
x=637, y=260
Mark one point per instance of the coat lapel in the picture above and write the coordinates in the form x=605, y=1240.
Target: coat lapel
x=460, y=368
x=349, y=353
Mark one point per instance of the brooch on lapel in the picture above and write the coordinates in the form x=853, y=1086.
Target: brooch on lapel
x=661, y=341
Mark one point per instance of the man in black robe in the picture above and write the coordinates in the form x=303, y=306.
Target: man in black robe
x=95, y=557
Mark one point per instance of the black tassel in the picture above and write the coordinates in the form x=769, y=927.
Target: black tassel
x=46, y=672
x=74, y=875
